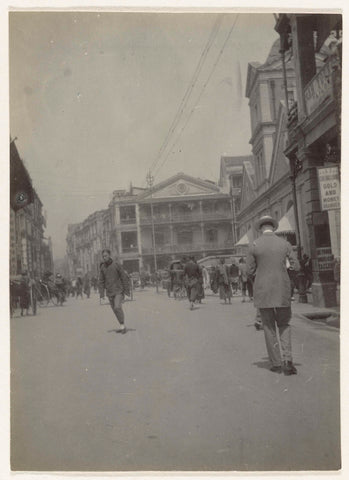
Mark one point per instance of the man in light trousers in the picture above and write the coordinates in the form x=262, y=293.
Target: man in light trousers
x=272, y=292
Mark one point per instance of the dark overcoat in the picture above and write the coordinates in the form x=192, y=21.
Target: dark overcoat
x=267, y=259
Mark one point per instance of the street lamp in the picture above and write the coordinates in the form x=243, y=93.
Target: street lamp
x=150, y=181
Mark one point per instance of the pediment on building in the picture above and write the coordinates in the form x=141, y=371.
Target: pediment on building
x=279, y=165
x=248, y=186
x=182, y=185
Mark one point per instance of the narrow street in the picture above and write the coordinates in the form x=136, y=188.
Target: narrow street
x=182, y=390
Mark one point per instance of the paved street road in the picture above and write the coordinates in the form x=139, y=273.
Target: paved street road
x=182, y=390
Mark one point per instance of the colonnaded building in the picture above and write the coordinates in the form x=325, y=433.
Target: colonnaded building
x=189, y=216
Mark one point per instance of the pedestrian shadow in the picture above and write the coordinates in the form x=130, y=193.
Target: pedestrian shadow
x=254, y=326
x=264, y=363
x=118, y=330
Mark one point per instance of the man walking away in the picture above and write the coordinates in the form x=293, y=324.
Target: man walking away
x=245, y=281
x=224, y=281
x=234, y=277
x=272, y=292
x=192, y=274
x=114, y=281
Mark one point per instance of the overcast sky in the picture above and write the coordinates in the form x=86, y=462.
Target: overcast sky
x=93, y=96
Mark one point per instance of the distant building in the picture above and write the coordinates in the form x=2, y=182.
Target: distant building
x=266, y=186
x=190, y=216
x=85, y=242
x=29, y=250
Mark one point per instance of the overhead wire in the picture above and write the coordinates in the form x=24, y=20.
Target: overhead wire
x=199, y=97
x=189, y=90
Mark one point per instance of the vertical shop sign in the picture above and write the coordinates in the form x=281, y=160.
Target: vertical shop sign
x=329, y=188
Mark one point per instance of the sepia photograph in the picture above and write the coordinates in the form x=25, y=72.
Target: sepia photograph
x=174, y=240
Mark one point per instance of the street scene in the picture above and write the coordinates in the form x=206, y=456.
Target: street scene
x=175, y=241
x=181, y=390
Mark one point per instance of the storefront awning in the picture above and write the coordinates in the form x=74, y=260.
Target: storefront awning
x=246, y=239
x=287, y=223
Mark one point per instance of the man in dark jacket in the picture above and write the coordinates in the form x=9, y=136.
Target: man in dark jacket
x=272, y=291
x=192, y=274
x=114, y=281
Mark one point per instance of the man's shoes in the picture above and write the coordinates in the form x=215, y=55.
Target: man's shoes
x=276, y=369
x=290, y=369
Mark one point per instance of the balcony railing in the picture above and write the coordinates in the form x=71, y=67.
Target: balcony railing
x=187, y=217
x=129, y=249
x=128, y=221
x=189, y=247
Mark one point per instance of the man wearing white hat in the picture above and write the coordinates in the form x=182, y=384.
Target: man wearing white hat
x=272, y=291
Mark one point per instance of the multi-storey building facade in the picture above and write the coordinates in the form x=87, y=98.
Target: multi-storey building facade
x=85, y=242
x=266, y=175
x=189, y=216
x=314, y=141
x=29, y=250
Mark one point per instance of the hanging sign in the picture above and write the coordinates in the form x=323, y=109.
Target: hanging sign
x=329, y=188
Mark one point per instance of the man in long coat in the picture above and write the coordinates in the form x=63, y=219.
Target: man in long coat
x=192, y=274
x=272, y=291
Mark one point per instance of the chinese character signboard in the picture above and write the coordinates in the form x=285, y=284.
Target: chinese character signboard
x=325, y=259
x=329, y=187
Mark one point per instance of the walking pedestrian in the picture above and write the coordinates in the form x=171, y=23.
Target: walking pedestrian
x=114, y=282
x=79, y=287
x=192, y=275
x=205, y=277
x=234, y=277
x=272, y=292
x=24, y=293
x=201, y=290
x=87, y=285
x=245, y=281
x=223, y=281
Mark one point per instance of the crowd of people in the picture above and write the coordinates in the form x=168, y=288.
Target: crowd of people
x=186, y=278
x=27, y=289
x=268, y=276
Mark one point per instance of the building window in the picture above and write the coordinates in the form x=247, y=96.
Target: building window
x=212, y=235
x=159, y=238
x=128, y=214
x=185, y=237
x=129, y=241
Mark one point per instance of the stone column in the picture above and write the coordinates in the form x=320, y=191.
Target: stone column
x=202, y=227
x=139, y=237
x=171, y=235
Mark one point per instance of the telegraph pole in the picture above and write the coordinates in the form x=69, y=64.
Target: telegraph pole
x=150, y=181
